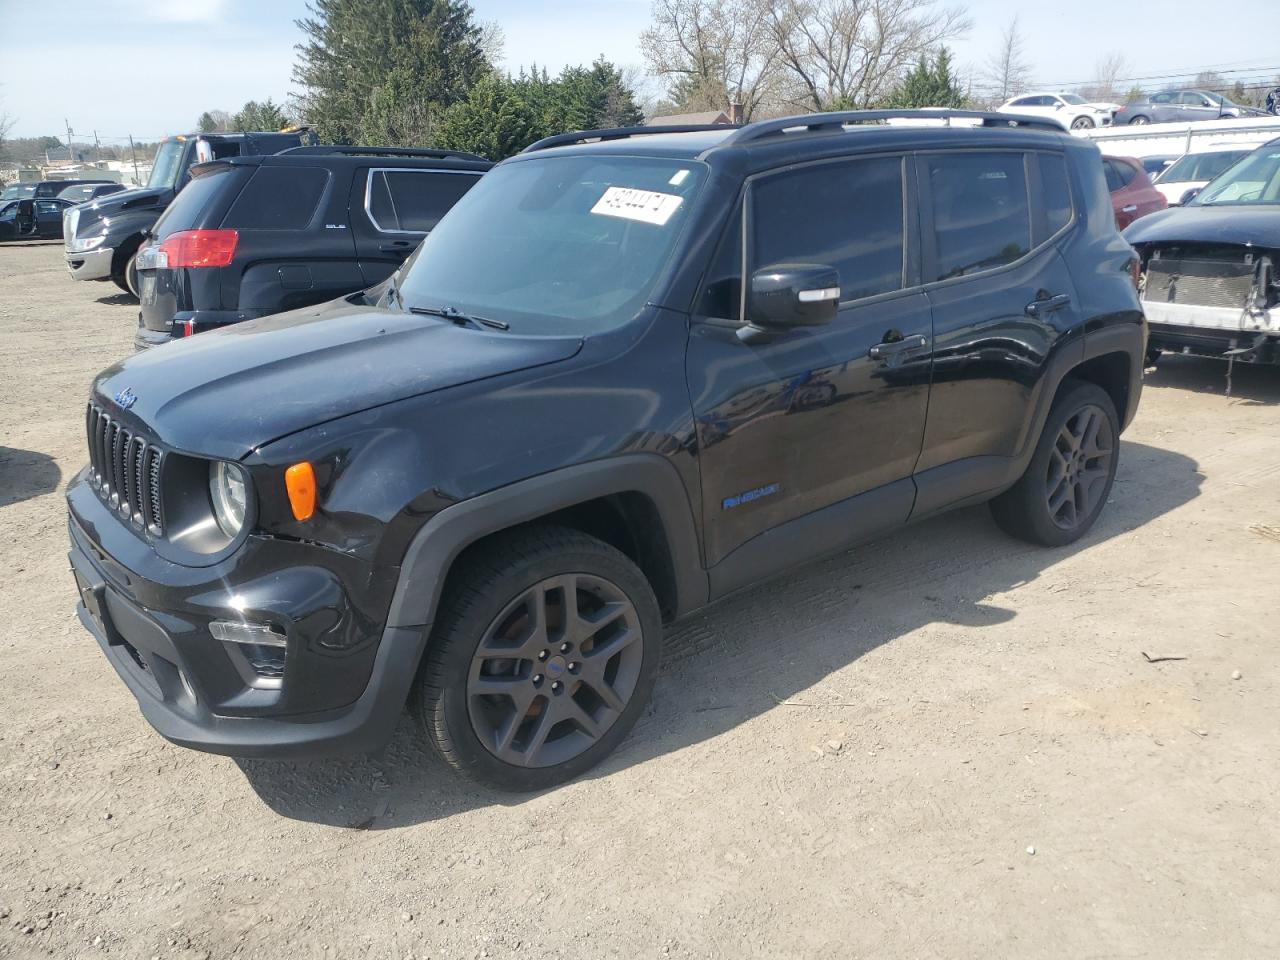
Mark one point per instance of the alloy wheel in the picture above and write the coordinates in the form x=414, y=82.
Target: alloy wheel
x=555, y=670
x=1079, y=466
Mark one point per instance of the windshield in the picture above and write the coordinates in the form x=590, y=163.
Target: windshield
x=18, y=191
x=165, y=171
x=1071, y=98
x=1201, y=166
x=557, y=244
x=1255, y=179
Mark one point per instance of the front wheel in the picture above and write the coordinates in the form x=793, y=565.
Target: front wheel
x=1082, y=123
x=127, y=279
x=542, y=660
x=1067, y=483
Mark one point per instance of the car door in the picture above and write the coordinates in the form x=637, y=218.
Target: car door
x=1196, y=106
x=49, y=218
x=393, y=208
x=818, y=422
x=1164, y=107
x=1001, y=295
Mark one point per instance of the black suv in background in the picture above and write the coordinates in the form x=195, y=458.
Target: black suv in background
x=102, y=237
x=630, y=372
x=251, y=236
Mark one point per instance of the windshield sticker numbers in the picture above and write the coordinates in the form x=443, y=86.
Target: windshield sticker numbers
x=646, y=206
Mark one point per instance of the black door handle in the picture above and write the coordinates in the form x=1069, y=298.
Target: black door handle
x=890, y=348
x=399, y=246
x=1038, y=308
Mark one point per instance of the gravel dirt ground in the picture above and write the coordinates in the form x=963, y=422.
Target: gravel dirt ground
x=945, y=744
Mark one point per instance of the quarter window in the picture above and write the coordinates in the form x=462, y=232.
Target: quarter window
x=980, y=213
x=1055, y=193
x=413, y=201
x=847, y=215
x=277, y=198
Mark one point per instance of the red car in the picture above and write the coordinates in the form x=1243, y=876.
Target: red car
x=1132, y=195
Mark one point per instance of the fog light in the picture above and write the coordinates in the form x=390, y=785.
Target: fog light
x=259, y=648
x=257, y=634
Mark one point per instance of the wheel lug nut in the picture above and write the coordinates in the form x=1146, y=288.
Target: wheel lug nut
x=575, y=667
x=557, y=687
x=566, y=647
x=542, y=655
x=537, y=679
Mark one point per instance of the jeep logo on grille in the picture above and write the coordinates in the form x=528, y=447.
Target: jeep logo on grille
x=126, y=398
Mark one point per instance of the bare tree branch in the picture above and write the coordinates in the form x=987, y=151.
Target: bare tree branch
x=1008, y=71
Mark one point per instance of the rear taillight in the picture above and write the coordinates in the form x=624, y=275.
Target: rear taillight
x=198, y=248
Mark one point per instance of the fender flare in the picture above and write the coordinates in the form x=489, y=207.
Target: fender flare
x=437, y=545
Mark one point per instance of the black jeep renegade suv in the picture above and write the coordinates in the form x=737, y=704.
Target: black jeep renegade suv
x=630, y=372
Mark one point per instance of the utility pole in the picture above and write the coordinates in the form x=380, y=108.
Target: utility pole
x=97, y=146
x=134, y=154
x=70, y=153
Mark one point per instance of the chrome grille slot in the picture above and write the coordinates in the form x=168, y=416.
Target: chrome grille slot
x=125, y=470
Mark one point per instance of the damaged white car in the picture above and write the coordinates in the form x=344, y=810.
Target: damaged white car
x=1211, y=268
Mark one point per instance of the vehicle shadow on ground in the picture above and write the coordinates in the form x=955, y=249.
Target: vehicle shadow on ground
x=740, y=657
x=25, y=474
x=1255, y=383
x=118, y=299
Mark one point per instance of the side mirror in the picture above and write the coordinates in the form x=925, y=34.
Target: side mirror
x=788, y=295
x=1189, y=196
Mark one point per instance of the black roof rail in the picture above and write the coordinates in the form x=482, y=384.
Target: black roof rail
x=621, y=133
x=826, y=122
x=350, y=151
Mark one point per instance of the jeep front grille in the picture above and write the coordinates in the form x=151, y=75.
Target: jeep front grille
x=125, y=470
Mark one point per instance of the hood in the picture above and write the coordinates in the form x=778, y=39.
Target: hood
x=1251, y=224
x=227, y=392
x=115, y=204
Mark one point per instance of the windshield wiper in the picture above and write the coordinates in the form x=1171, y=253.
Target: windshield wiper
x=461, y=319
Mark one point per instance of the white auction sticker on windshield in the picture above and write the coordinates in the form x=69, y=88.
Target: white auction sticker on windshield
x=646, y=206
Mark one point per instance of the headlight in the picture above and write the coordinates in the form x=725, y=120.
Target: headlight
x=81, y=244
x=227, y=490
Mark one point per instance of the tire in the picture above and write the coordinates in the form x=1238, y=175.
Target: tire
x=1067, y=482
x=1139, y=120
x=1082, y=123
x=566, y=696
x=127, y=278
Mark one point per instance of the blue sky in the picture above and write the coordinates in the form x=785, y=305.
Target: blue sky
x=149, y=67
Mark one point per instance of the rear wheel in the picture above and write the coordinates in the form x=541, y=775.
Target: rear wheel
x=1067, y=483
x=542, y=659
x=1139, y=120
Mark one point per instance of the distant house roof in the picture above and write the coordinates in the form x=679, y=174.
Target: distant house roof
x=678, y=119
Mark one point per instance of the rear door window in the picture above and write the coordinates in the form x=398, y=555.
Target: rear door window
x=981, y=216
x=413, y=201
x=278, y=198
x=847, y=214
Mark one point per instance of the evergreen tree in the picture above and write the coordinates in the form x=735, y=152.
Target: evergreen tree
x=495, y=121
x=930, y=85
x=267, y=115
x=375, y=69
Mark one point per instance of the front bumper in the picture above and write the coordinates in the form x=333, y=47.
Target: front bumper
x=151, y=618
x=91, y=264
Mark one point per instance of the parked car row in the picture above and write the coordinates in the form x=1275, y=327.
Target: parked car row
x=1166, y=106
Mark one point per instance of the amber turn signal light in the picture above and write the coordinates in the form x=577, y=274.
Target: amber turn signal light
x=300, y=481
